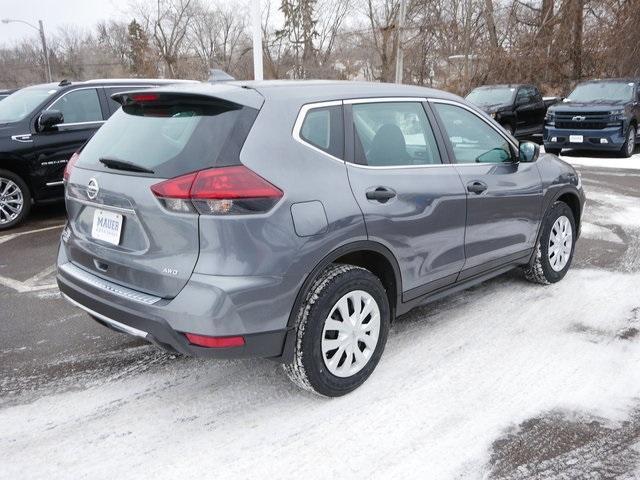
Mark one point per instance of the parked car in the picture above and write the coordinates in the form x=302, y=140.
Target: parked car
x=597, y=115
x=296, y=220
x=5, y=93
x=40, y=128
x=520, y=109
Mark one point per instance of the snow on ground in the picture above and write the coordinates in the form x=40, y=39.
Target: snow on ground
x=455, y=375
x=600, y=159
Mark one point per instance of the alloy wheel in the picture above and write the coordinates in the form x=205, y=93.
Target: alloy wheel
x=350, y=333
x=11, y=200
x=631, y=141
x=560, y=243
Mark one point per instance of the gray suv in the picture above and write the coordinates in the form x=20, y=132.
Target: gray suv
x=297, y=220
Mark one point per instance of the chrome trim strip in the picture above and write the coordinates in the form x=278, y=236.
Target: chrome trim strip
x=297, y=126
x=485, y=120
x=402, y=167
x=102, y=205
x=24, y=138
x=110, y=287
x=353, y=101
x=117, y=325
x=54, y=184
x=75, y=124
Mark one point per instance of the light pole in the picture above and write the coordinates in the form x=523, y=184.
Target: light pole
x=256, y=27
x=45, y=51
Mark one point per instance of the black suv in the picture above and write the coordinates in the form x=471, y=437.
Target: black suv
x=40, y=129
x=520, y=109
x=597, y=115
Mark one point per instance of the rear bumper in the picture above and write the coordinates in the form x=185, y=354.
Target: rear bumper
x=593, y=139
x=163, y=324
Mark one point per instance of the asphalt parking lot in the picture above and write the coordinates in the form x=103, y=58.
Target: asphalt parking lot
x=70, y=389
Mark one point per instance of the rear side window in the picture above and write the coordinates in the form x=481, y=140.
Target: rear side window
x=323, y=128
x=393, y=134
x=172, y=139
x=79, y=106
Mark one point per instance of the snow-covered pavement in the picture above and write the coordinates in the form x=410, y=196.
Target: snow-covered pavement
x=506, y=380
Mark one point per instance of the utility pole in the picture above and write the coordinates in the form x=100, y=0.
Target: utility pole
x=256, y=17
x=45, y=51
x=399, y=46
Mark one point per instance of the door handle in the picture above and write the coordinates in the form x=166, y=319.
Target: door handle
x=477, y=187
x=381, y=194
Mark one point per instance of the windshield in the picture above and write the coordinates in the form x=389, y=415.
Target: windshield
x=492, y=96
x=602, y=92
x=21, y=103
x=168, y=140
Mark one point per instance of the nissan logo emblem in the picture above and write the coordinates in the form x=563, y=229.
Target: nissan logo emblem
x=579, y=118
x=92, y=189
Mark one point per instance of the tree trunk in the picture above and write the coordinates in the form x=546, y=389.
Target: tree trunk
x=576, y=41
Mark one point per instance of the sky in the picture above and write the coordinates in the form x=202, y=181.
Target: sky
x=54, y=14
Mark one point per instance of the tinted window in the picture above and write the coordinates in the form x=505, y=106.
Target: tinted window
x=473, y=141
x=171, y=140
x=323, y=128
x=394, y=133
x=79, y=106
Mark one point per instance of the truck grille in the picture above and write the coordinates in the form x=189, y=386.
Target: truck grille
x=588, y=121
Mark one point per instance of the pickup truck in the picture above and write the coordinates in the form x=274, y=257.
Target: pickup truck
x=597, y=115
x=520, y=109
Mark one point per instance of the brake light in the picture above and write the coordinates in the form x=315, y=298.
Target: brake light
x=70, y=164
x=144, y=97
x=214, y=342
x=232, y=190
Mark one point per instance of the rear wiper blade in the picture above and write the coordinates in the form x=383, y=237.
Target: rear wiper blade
x=118, y=164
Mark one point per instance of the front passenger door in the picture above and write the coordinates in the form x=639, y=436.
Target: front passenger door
x=504, y=197
x=83, y=116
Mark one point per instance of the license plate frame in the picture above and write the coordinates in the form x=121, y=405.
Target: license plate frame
x=107, y=226
x=576, y=138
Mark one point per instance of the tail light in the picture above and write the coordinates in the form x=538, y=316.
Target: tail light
x=214, y=342
x=70, y=164
x=232, y=190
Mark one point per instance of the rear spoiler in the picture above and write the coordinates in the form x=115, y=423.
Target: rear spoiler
x=231, y=95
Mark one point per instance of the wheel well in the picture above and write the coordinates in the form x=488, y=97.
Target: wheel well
x=17, y=169
x=574, y=204
x=380, y=266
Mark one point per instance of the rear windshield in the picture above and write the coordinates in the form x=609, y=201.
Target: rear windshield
x=171, y=140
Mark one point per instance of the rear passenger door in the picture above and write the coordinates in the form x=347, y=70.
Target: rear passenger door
x=413, y=203
x=504, y=197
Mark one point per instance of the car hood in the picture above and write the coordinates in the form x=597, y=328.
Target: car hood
x=587, y=106
x=493, y=108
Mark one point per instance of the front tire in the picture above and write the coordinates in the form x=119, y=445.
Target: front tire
x=630, y=144
x=554, y=251
x=554, y=151
x=341, y=331
x=15, y=200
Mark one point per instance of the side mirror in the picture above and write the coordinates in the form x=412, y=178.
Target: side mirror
x=522, y=101
x=528, y=152
x=49, y=119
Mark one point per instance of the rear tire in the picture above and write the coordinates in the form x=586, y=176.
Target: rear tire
x=15, y=200
x=554, y=251
x=630, y=144
x=346, y=313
